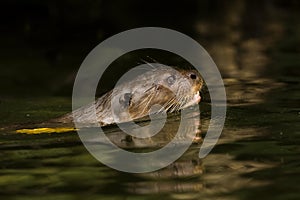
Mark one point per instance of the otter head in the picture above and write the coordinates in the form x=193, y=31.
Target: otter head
x=173, y=89
x=185, y=84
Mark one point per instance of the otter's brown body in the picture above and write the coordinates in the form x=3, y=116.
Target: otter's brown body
x=173, y=89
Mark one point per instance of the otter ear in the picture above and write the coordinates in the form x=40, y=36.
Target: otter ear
x=125, y=100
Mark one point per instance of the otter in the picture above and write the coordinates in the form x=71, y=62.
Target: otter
x=171, y=88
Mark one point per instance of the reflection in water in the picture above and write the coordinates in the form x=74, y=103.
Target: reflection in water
x=172, y=144
x=188, y=177
x=179, y=127
x=189, y=167
x=240, y=41
x=243, y=92
x=63, y=164
x=59, y=165
x=215, y=174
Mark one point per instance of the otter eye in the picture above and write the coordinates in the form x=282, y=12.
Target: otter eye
x=193, y=76
x=171, y=80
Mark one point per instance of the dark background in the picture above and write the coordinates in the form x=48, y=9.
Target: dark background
x=44, y=42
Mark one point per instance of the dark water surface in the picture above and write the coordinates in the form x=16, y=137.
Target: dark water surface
x=257, y=156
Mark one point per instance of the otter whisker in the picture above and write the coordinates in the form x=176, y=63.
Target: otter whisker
x=146, y=91
x=144, y=101
x=153, y=59
x=148, y=64
x=150, y=99
x=175, y=106
x=169, y=104
x=182, y=101
x=153, y=86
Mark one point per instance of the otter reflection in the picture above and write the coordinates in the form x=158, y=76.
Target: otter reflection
x=189, y=130
x=189, y=166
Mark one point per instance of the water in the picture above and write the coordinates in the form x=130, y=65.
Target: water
x=257, y=156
